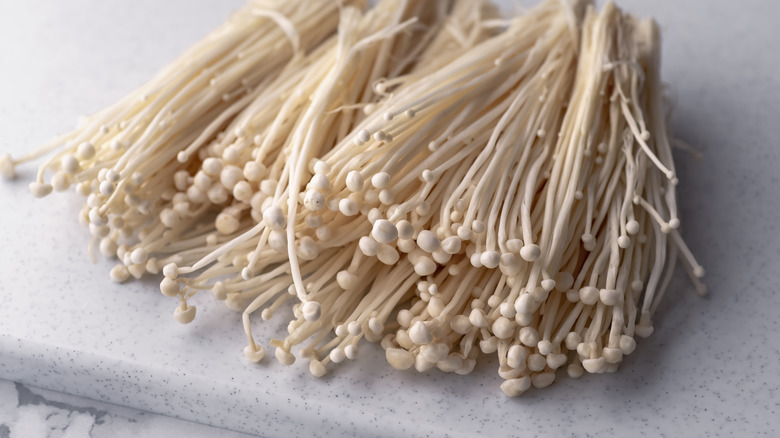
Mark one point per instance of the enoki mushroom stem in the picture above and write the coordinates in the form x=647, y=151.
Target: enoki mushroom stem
x=426, y=175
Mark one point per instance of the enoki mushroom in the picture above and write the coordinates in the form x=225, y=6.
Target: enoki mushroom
x=427, y=175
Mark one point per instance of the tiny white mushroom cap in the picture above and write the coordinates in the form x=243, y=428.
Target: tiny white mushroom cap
x=503, y=328
x=588, y=242
x=384, y=231
x=427, y=241
x=516, y=357
x=311, y=310
x=69, y=163
x=593, y=366
x=254, y=354
x=219, y=291
x=545, y=347
x=555, y=361
x=268, y=186
x=243, y=191
x=212, y=166
x=643, y=329
x=490, y=259
x=351, y=351
x=376, y=326
x=477, y=318
x=573, y=339
x=321, y=167
x=184, y=314
x=314, y=200
x=536, y=362
x=374, y=215
x=514, y=245
x=589, y=295
x=354, y=328
x=434, y=352
x=388, y=255
x=451, y=363
x=171, y=270
x=227, y=223
x=451, y=245
x=348, y=207
x=575, y=370
x=39, y=190
x=60, y=183
x=85, y=151
x=108, y=247
x=380, y=180
x=420, y=334
x=284, y=357
x=460, y=324
x=489, y=345
x=525, y=303
x=7, y=167
x=424, y=266
x=404, y=319
x=346, y=280
x=320, y=182
x=169, y=288
x=422, y=365
x=274, y=218
x=119, y=274
x=632, y=227
x=363, y=136
x=530, y=252
x=95, y=217
x=323, y=232
x=542, y=380
x=254, y=171
x=435, y=306
x=528, y=336
x=337, y=355
x=139, y=255
x=627, y=344
x=610, y=297
x=467, y=367
x=317, y=368
x=307, y=248
x=405, y=229
x=354, y=181
x=612, y=355
x=515, y=387
x=230, y=176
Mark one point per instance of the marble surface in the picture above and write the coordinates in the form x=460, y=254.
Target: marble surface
x=712, y=367
x=29, y=412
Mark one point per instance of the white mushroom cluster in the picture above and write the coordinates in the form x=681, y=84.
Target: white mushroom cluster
x=426, y=175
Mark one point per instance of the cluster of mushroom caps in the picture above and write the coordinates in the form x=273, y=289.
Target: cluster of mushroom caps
x=426, y=175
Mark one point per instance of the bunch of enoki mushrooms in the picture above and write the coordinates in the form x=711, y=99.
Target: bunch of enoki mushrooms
x=429, y=175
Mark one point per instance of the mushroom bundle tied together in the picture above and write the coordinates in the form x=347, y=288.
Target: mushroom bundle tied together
x=432, y=176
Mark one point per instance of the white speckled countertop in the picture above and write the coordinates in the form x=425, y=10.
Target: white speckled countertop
x=711, y=368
